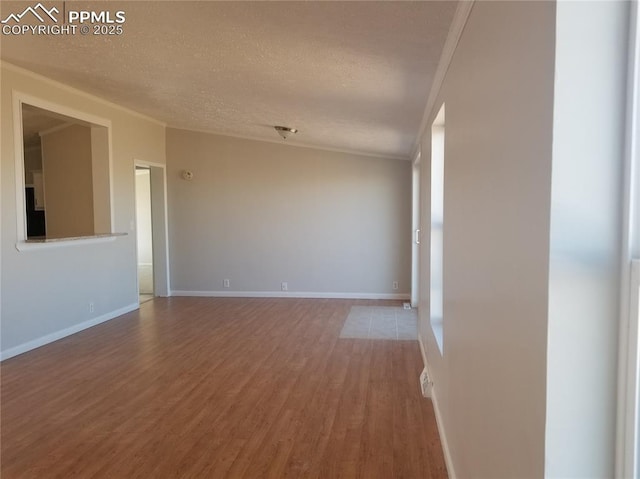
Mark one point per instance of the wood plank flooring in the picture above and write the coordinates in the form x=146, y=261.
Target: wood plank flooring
x=219, y=388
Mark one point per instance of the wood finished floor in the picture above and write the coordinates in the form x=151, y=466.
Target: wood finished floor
x=219, y=388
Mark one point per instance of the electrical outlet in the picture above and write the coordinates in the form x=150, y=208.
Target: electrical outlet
x=91, y=307
x=425, y=383
x=395, y=285
x=226, y=283
x=284, y=287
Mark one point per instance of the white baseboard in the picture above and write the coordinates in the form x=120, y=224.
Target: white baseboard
x=289, y=294
x=49, y=338
x=443, y=436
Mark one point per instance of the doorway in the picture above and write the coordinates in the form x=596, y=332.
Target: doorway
x=415, y=247
x=151, y=225
x=144, y=234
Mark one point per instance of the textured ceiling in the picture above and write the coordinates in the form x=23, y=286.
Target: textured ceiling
x=349, y=75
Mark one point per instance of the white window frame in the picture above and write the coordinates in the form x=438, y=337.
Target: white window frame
x=438, y=160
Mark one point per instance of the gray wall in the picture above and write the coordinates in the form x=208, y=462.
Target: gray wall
x=489, y=385
x=68, y=182
x=260, y=214
x=32, y=162
x=535, y=103
x=63, y=280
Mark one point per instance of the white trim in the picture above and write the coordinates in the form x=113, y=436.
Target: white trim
x=75, y=91
x=436, y=409
x=18, y=99
x=60, y=109
x=289, y=142
x=135, y=224
x=443, y=436
x=111, y=179
x=150, y=164
x=451, y=43
x=417, y=157
x=49, y=338
x=36, y=245
x=416, y=174
x=627, y=434
x=166, y=233
x=19, y=180
x=288, y=294
x=146, y=164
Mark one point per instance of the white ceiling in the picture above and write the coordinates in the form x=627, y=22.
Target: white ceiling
x=349, y=75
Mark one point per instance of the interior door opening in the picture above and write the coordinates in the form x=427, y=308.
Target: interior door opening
x=415, y=247
x=144, y=234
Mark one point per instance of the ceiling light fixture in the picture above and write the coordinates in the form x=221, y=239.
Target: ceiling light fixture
x=285, y=131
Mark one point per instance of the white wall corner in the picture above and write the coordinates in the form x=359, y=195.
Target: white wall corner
x=455, y=32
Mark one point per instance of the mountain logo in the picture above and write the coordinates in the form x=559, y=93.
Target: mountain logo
x=39, y=11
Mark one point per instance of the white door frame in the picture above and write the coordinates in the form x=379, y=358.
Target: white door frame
x=628, y=416
x=159, y=227
x=415, y=230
